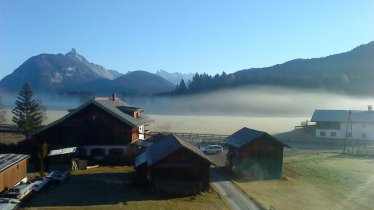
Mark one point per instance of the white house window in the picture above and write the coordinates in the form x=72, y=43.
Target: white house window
x=349, y=134
x=363, y=135
x=333, y=134
x=322, y=133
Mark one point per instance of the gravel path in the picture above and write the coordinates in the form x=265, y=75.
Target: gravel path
x=236, y=199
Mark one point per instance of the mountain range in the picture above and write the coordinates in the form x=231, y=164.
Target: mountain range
x=349, y=72
x=175, y=77
x=72, y=73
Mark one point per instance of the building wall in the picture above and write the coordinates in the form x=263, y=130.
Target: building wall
x=90, y=126
x=261, y=159
x=166, y=177
x=13, y=175
x=364, y=131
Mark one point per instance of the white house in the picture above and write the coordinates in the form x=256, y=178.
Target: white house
x=356, y=124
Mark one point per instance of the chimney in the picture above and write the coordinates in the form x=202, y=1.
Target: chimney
x=370, y=108
x=114, y=97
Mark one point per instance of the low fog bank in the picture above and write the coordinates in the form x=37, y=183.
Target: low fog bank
x=251, y=101
x=51, y=102
x=271, y=109
x=254, y=101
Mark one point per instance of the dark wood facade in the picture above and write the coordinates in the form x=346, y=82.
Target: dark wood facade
x=101, y=128
x=181, y=171
x=90, y=126
x=260, y=158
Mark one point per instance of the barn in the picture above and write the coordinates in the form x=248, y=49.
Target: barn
x=173, y=165
x=255, y=154
x=100, y=127
x=13, y=169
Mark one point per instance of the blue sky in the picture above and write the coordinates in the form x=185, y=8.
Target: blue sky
x=185, y=36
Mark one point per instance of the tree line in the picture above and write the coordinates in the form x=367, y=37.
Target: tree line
x=344, y=82
x=204, y=82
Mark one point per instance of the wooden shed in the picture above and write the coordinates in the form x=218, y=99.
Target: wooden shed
x=255, y=154
x=173, y=165
x=99, y=128
x=13, y=169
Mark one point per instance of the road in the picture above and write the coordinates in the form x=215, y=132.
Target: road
x=236, y=199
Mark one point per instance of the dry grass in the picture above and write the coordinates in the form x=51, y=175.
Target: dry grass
x=112, y=188
x=11, y=138
x=321, y=180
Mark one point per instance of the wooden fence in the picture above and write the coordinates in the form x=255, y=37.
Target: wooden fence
x=8, y=128
x=197, y=138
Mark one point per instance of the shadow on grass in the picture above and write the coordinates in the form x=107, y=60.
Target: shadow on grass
x=94, y=189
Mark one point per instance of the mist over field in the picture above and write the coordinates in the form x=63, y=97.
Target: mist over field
x=254, y=101
x=269, y=108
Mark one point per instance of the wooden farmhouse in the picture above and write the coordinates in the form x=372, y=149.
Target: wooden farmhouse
x=255, y=154
x=99, y=127
x=13, y=168
x=173, y=165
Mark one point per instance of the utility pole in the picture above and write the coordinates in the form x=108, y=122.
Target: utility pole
x=348, y=132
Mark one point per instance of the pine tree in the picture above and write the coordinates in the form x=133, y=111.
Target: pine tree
x=181, y=88
x=28, y=113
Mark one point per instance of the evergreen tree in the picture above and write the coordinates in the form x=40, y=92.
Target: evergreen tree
x=182, y=88
x=28, y=113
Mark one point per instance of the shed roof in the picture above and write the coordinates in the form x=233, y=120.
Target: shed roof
x=246, y=135
x=62, y=151
x=7, y=160
x=113, y=108
x=342, y=116
x=165, y=147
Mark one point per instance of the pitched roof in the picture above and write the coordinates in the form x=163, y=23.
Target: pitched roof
x=165, y=147
x=246, y=135
x=342, y=116
x=111, y=107
x=7, y=160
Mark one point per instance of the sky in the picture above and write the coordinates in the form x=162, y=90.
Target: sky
x=182, y=36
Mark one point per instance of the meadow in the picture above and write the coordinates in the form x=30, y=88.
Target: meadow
x=317, y=180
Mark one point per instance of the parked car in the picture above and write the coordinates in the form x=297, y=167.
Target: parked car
x=19, y=191
x=212, y=149
x=58, y=176
x=39, y=183
x=8, y=203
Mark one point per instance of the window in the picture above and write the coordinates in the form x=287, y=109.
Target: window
x=333, y=134
x=349, y=134
x=364, y=125
x=322, y=133
x=363, y=135
x=328, y=125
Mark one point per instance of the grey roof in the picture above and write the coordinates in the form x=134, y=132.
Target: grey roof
x=7, y=160
x=111, y=107
x=342, y=116
x=62, y=151
x=141, y=159
x=246, y=135
x=165, y=147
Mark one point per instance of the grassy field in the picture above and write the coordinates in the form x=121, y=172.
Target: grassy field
x=318, y=180
x=112, y=188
